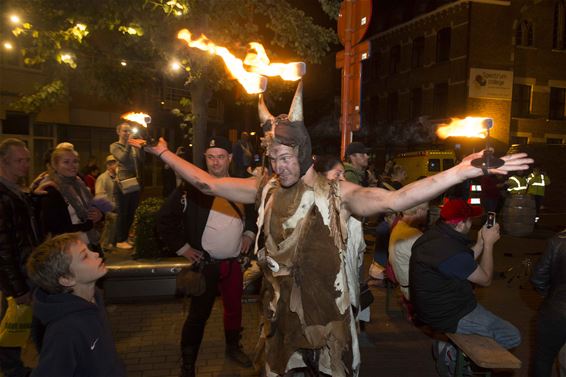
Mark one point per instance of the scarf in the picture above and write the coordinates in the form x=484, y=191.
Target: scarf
x=77, y=195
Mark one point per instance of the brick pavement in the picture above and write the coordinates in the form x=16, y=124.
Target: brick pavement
x=147, y=334
x=147, y=337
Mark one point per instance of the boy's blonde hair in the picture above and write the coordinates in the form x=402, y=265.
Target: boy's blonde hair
x=50, y=261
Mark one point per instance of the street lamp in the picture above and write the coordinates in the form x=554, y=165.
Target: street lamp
x=15, y=19
x=175, y=66
x=8, y=45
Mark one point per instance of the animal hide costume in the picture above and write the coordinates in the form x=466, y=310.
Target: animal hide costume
x=308, y=319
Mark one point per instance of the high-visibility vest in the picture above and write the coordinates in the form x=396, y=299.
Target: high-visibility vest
x=537, y=183
x=517, y=185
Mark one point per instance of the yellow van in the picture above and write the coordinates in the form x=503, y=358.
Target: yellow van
x=425, y=163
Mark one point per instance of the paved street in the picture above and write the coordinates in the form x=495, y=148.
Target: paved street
x=147, y=333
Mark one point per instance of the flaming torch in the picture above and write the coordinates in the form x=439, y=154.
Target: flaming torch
x=473, y=127
x=143, y=120
x=250, y=72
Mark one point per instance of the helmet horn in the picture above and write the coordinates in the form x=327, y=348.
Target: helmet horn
x=264, y=114
x=296, y=110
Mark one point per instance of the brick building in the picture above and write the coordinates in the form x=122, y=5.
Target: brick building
x=495, y=58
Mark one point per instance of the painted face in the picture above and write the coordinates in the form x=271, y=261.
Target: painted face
x=285, y=164
x=217, y=161
x=360, y=160
x=124, y=132
x=16, y=163
x=86, y=266
x=67, y=165
x=336, y=173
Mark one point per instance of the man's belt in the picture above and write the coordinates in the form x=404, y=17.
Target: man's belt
x=207, y=259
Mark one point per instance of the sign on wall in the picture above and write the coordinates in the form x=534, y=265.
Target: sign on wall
x=490, y=84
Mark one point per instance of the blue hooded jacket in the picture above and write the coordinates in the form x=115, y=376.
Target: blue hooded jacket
x=77, y=339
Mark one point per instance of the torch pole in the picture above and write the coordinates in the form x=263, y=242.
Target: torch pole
x=346, y=135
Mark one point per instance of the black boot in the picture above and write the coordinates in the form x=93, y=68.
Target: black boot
x=234, y=349
x=189, y=358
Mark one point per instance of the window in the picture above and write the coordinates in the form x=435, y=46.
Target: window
x=447, y=163
x=557, y=102
x=416, y=102
x=521, y=104
x=559, y=27
x=417, y=57
x=524, y=34
x=394, y=59
x=434, y=164
x=553, y=140
x=519, y=140
x=16, y=124
x=443, y=45
x=440, y=100
x=392, y=106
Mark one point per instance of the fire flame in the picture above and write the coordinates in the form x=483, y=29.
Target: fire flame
x=467, y=127
x=140, y=118
x=259, y=63
x=252, y=80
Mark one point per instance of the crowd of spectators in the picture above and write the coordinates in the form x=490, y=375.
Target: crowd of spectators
x=434, y=265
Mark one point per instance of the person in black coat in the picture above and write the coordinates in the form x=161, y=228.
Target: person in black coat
x=549, y=278
x=19, y=233
x=68, y=205
x=213, y=232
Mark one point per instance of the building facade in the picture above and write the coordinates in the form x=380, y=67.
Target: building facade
x=489, y=58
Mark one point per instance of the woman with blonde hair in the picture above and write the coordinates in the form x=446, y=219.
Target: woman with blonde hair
x=68, y=205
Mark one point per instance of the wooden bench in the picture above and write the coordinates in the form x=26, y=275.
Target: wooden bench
x=483, y=351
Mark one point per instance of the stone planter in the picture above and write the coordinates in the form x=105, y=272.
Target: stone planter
x=137, y=279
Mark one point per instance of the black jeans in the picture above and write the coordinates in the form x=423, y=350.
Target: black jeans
x=225, y=276
x=127, y=204
x=551, y=336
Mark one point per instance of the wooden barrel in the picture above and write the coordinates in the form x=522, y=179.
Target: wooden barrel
x=518, y=215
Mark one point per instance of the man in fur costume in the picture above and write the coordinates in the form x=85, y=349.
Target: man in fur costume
x=308, y=321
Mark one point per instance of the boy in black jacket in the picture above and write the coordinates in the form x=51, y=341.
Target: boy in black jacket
x=77, y=340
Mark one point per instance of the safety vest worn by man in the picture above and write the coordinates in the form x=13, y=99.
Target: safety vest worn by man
x=517, y=185
x=537, y=182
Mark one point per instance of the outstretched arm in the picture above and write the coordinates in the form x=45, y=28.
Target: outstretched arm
x=236, y=189
x=367, y=201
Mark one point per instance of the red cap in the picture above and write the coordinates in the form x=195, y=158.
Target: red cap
x=456, y=210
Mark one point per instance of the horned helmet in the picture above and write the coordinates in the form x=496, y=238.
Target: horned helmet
x=287, y=129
